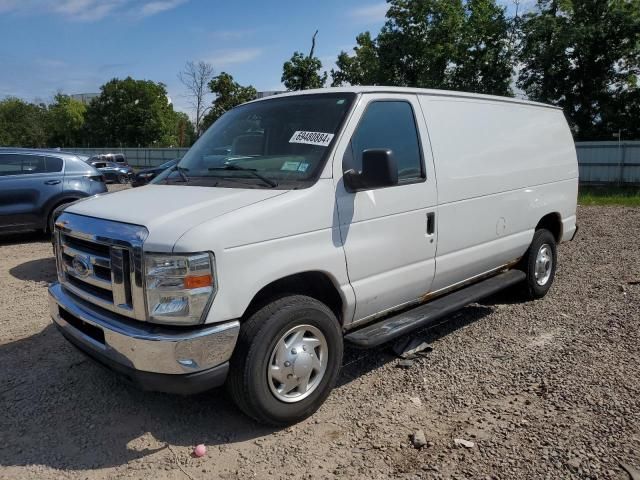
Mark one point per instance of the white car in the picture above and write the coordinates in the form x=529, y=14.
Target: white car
x=304, y=220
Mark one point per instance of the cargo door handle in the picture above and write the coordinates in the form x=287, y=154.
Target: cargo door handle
x=431, y=223
x=52, y=182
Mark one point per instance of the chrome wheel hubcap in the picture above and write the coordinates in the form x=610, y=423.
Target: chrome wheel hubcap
x=297, y=364
x=544, y=264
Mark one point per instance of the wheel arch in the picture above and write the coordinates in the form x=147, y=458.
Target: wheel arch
x=57, y=202
x=315, y=284
x=553, y=223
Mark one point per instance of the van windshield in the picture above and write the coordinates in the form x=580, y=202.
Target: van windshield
x=276, y=143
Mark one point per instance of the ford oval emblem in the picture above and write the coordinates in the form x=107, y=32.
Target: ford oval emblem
x=80, y=266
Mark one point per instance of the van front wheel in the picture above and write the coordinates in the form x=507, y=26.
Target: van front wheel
x=286, y=361
x=540, y=264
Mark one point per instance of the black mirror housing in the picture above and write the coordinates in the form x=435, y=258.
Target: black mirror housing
x=379, y=169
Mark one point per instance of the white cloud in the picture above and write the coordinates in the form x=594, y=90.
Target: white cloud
x=8, y=5
x=234, y=56
x=89, y=10
x=373, y=13
x=85, y=10
x=151, y=8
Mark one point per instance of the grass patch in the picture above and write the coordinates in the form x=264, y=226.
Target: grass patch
x=627, y=196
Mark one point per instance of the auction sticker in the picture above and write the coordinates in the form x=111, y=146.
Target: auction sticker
x=290, y=166
x=311, y=138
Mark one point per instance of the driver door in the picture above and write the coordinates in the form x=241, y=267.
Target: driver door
x=388, y=234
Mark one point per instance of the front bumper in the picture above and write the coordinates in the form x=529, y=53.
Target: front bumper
x=157, y=358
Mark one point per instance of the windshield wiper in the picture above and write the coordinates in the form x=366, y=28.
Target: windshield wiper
x=181, y=171
x=253, y=172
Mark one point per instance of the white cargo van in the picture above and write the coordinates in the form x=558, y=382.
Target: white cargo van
x=304, y=220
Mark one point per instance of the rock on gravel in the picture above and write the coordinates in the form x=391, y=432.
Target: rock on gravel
x=418, y=439
x=459, y=442
x=544, y=389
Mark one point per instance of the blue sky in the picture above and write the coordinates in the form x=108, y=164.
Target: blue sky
x=75, y=46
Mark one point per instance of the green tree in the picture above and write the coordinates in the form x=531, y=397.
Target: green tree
x=484, y=58
x=229, y=94
x=182, y=132
x=65, y=121
x=22, y=124
x=449, y=44
x=363, y=68
x=130, y=113
x=302, y=72
x=420, y=40
x=584, y=56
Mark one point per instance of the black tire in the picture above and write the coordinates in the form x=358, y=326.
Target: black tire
x=122, y=179
x=533, y=287
x=248, y=382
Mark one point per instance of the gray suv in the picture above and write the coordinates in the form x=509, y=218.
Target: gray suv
x=33, y=183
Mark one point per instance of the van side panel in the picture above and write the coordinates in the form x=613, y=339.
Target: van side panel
x=500, y=168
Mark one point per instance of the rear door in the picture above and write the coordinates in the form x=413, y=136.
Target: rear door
x=27, y=182
x=389, y=233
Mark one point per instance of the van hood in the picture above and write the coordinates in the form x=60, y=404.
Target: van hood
x=168, y=211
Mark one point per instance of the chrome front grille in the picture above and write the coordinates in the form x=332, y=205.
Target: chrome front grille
x=100, y=261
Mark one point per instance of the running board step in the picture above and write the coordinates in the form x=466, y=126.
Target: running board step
x=423, y=315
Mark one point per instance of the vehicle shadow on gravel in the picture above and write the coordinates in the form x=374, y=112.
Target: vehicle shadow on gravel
x=358, y=362
x=28, y=237
x=508, y=296
x=61, y=410
x=40, y=270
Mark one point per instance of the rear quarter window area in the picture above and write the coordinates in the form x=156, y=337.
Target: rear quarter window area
x=508, y=145
x=53, y=164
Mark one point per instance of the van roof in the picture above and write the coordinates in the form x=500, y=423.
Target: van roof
x=415, y=91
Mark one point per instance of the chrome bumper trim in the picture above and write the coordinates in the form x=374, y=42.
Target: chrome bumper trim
x=143, y=346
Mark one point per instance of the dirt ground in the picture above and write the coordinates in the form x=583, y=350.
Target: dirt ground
x=547, y=389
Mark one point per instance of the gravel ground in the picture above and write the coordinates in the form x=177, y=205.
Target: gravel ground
x=548, y=389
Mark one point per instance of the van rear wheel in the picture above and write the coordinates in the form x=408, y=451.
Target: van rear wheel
x=539, y=263
x=286, y=361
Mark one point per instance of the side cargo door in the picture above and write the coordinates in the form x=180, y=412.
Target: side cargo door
x=388, y=234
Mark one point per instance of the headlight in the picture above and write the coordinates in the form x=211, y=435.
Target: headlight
x=179, y=287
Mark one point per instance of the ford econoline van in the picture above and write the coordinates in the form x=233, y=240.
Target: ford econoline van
x=299, y=222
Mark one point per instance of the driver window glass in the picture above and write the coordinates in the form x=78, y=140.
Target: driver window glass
x=390, y=125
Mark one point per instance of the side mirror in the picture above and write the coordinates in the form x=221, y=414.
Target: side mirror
x=379, y=169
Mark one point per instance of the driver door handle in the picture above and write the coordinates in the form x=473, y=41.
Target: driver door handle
x=52, y=182
x=431, y=223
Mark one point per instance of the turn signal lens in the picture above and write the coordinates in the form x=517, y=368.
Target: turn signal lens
x=198, y=281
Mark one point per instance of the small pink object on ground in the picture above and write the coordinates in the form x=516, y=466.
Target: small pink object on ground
x=200, y=450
